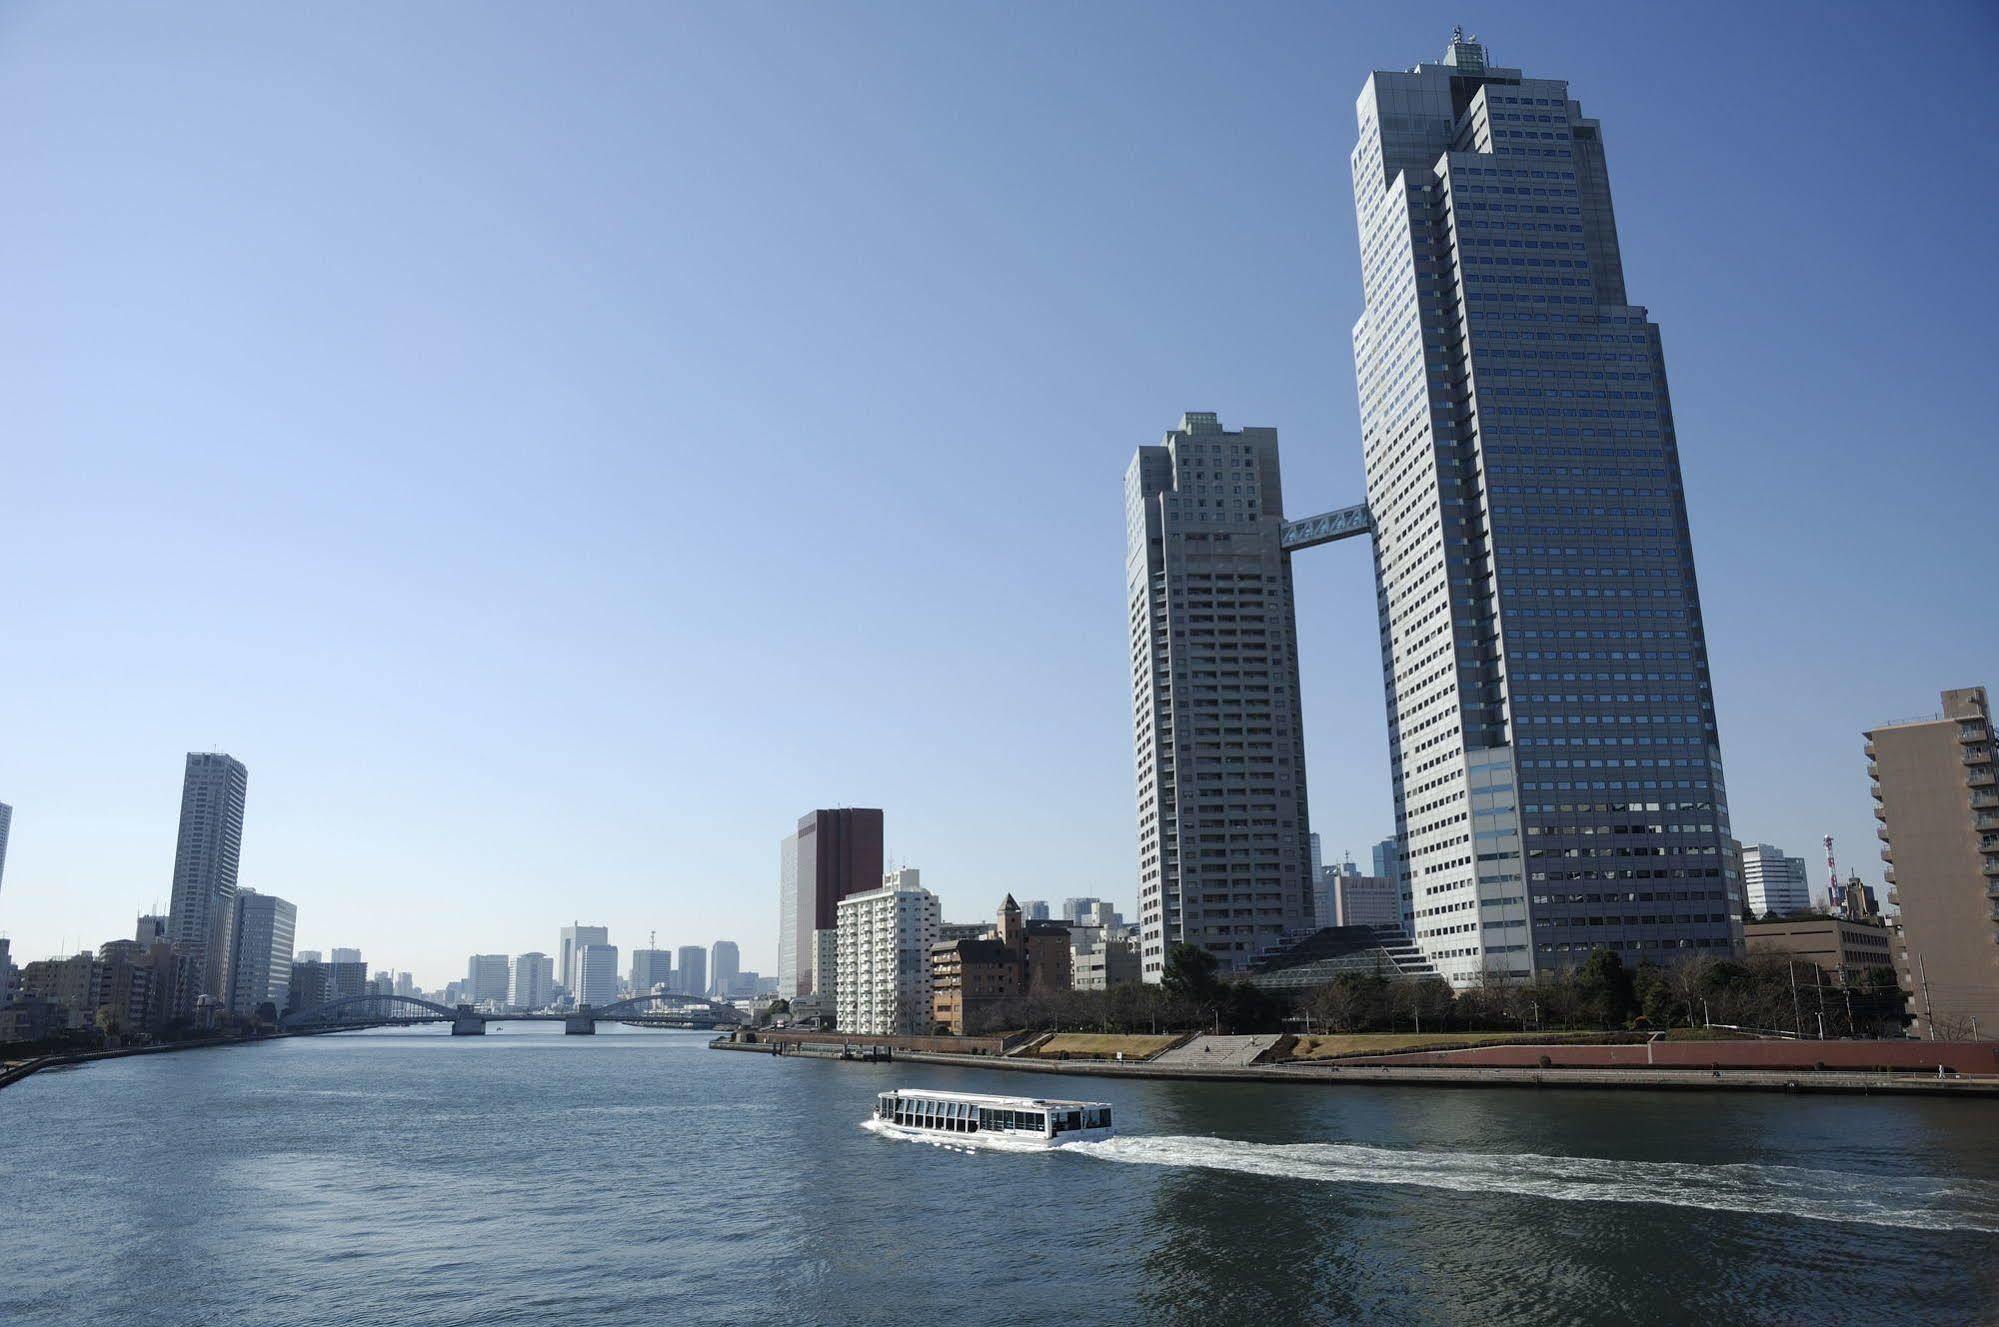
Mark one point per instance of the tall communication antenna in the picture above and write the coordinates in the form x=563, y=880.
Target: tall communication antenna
x=1831, y=878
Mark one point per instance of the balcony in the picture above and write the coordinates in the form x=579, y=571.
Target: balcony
x=1980, y=777
x=1978, y=755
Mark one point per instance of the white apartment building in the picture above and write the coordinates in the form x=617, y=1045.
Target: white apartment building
x=883, y=941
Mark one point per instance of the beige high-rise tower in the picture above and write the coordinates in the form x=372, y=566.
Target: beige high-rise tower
x=1937, y=799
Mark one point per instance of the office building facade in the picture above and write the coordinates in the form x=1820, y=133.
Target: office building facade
x=883, y=939
x=346, y=977
x=260, y=960
x=596, y=974
x=1224, y=843
x=214, y=789
x=831, y=854
x=1774, y=883
x=650, y=968
x=568, y=941
x=488, y=980
x=1937, y=799
x=725, y=965
x=6, y=828
x=1556, y=764
x=691, y=976
x=527, y=981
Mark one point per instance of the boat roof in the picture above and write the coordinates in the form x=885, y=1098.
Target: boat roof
x=987, y=1099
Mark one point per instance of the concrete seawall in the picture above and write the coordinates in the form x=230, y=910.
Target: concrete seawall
x=1347, y=1073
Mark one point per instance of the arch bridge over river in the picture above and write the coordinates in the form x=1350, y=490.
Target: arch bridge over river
x=654, y=1010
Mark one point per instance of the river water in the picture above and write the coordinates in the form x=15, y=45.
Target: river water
x=407, y=1177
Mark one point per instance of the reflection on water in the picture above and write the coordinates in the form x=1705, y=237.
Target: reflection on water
x=634, y=1177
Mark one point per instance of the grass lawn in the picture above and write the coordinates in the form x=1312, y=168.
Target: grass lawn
x=1103, y=1045
x=1385, y=1043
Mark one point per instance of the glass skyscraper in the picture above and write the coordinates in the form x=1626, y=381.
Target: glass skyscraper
x=1557, y=773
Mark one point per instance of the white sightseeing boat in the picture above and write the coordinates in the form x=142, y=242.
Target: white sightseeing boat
x=919, y=1113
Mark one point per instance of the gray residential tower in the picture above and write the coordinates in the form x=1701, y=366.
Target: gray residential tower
x=201, y=916
x=1224, y=850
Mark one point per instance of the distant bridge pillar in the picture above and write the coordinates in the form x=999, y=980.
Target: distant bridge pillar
x=582, y=1023
x=467, y=1023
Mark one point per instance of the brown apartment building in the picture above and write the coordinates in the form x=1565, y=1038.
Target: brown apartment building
x=1937, y=799
x=968, y=977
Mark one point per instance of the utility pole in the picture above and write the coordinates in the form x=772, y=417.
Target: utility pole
x=1929, y=1013
x=1797, y=1010
x=1818, y=989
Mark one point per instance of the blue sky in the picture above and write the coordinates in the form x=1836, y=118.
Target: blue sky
x=556, y=446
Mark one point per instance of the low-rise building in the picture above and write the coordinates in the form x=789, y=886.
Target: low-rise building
x=1843, y=948
x=1100, y=958
x=1365, y=900
x=30, y=1018
x=73, y=984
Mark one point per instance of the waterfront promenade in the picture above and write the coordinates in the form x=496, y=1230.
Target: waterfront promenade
x=1875, y=1068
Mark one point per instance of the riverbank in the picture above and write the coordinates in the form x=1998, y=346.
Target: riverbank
x=15, y=1073
x=1670, y=1078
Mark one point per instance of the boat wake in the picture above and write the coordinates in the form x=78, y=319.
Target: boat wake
x=960, y=1142
x=1909, y=1202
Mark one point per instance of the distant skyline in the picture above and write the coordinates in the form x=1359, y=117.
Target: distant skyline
x=555, y=450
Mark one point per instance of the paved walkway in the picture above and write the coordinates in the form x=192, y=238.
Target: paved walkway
x=1450, y=1076
x=1217, y=1052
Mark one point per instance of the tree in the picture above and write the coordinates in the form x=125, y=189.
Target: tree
x=1190, y=973
x=109, y=1023
x=1658, y=1002
x=1603, y=989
